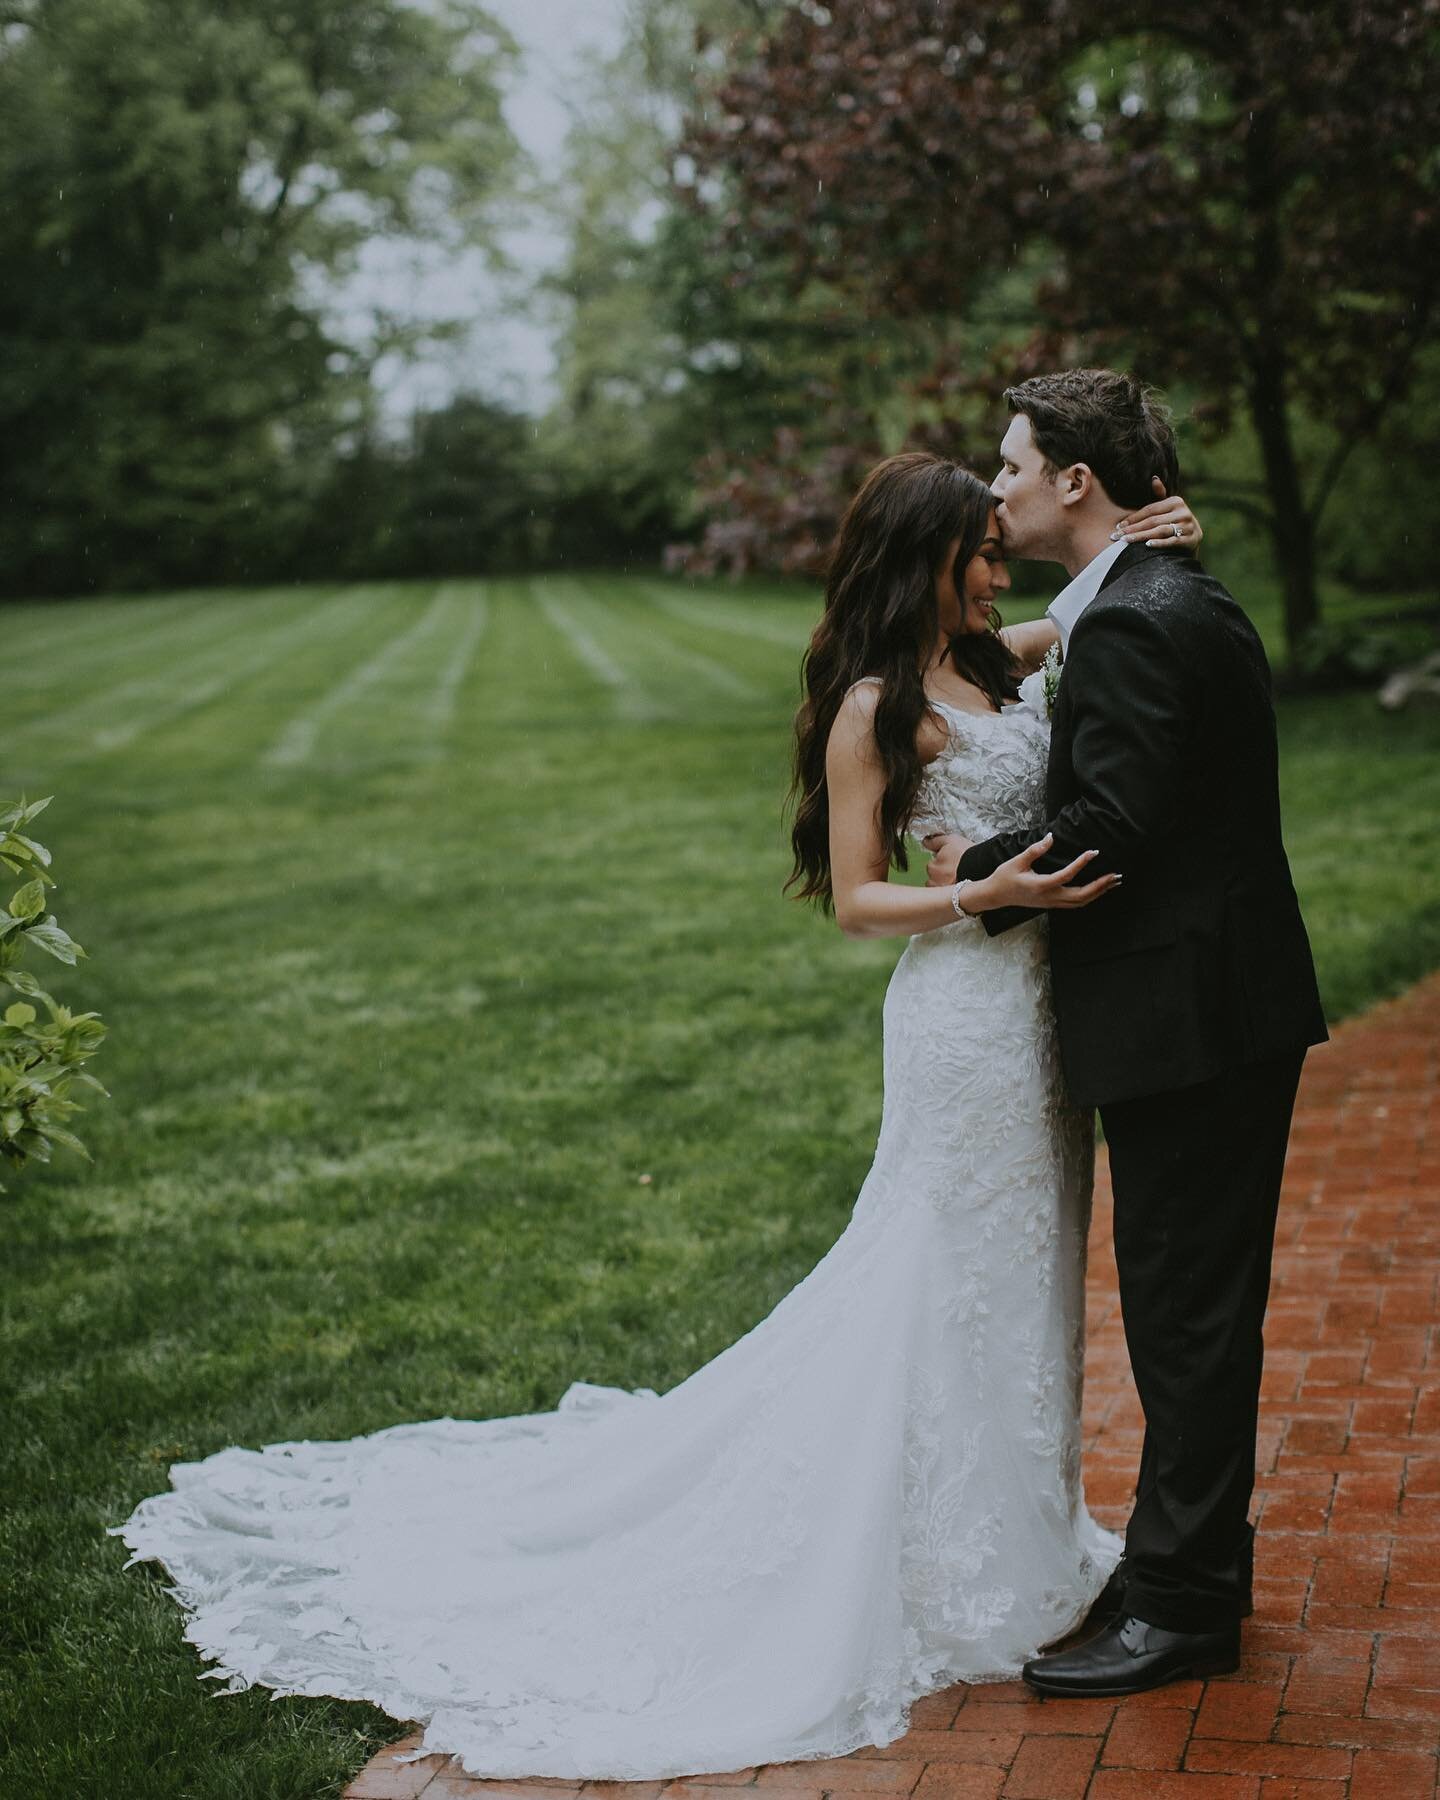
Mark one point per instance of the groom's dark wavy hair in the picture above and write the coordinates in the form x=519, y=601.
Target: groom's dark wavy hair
x=1112, y=422
x=880, y=620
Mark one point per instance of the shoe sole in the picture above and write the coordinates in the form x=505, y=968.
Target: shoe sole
x=1197, y=1671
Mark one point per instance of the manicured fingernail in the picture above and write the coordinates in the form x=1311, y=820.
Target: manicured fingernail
x=1116, y=535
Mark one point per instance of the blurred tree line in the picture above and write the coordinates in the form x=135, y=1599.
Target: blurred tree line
x=182, y=179
x=799, y=237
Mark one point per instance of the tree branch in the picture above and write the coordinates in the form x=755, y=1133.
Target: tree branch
x=1389, y=393
x=1210, y=490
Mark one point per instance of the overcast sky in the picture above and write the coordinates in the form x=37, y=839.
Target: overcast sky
x=509, y=354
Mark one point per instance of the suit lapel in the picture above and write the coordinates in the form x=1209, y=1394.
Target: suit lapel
x=1057, y=776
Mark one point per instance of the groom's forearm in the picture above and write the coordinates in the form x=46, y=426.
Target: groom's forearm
x=981, y=860
x=1086, y=824
x=984, y=859
x=1116, y=831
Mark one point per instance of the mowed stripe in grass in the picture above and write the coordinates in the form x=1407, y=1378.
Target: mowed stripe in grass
x=59, y=636
x=473, y=610
x=265, y=667
x=733, y=618
x=296, y=744
x=566, y=608
x=244, y=656
x=693, y=669
x=138, y=662
x=672, y=648
x=146, y=685
x=397, y=1029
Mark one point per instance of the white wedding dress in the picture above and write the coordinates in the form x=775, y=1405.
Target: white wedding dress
x=873, y=1494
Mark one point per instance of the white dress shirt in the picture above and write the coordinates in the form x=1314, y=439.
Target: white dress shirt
x=1071, y=601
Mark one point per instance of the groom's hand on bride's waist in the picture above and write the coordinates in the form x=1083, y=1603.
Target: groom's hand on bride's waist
x=945, y=853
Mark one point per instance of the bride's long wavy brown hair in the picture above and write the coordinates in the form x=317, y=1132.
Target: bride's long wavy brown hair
x=880, y=620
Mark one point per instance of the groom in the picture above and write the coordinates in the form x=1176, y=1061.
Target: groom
x=1185, y=999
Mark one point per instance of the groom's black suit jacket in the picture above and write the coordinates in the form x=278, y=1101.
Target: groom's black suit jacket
x=1163, y=758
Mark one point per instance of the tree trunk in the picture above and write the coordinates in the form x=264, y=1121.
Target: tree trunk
x=1292, y=524
x=1292, y=527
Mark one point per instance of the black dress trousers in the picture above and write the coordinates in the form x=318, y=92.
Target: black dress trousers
x=1196, y=1176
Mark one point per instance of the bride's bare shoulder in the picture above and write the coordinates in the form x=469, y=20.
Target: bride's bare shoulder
x=863, y=696
x=854, y=725
x=853, y=728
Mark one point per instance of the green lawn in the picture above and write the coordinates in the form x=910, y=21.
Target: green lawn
x=428, y=921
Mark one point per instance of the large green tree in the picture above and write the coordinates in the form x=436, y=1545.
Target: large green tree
x=1240, y=199
x=183, y=179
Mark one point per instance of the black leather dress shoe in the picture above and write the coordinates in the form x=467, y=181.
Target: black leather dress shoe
x=1129, y=1656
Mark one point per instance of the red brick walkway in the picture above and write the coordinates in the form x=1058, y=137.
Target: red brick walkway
x=1338, y=1697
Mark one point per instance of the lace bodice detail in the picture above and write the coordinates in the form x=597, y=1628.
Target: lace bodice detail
x=990, y=776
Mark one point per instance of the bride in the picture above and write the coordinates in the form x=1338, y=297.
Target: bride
x=876, y=1492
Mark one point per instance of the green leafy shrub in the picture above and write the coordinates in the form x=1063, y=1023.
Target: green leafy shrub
x=40, y=1056
x=1348, y=653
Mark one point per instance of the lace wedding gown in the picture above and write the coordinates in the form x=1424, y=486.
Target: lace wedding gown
x=873, y=1494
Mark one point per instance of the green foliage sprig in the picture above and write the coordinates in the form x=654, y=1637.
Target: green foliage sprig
x=40, y=1058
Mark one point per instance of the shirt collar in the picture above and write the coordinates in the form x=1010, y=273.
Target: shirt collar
x=1065, y=609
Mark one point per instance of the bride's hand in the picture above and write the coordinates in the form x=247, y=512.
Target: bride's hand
x=1015, y=883
x=1156, y=523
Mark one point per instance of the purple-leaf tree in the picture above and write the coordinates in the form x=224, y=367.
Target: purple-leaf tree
x=1240, y=200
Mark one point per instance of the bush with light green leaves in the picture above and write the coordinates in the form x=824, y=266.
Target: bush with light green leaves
x=43, y=1045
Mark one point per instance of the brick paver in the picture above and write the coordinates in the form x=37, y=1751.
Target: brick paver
x=1338, y=1696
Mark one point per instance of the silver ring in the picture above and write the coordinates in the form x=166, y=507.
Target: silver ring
x=1175, y=530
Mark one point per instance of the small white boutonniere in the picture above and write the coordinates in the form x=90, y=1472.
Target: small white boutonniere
x=1038, y=691
x=1050, y=671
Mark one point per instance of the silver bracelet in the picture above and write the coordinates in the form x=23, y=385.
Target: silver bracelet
x=960, y=912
